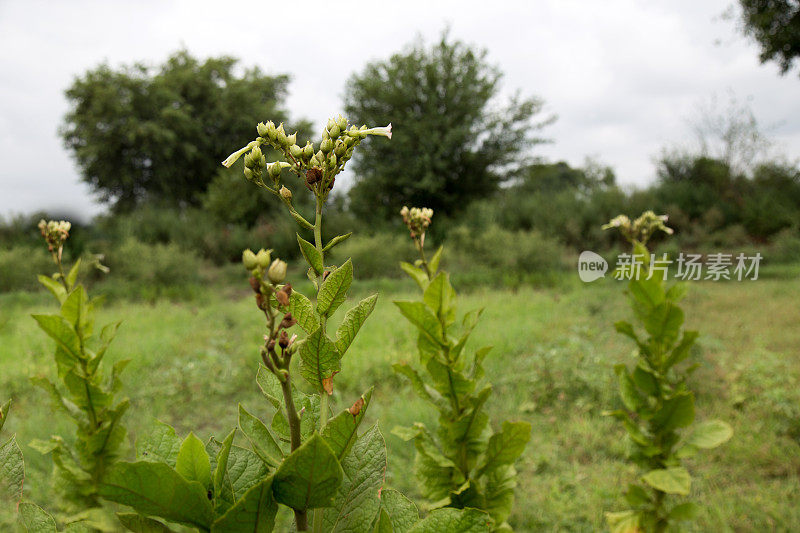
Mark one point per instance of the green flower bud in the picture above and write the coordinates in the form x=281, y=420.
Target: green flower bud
x=292, y=139
x=332, y=161
x=296, y=151
x=285, y=193
x=335, y=131
x=271, y=131
x=280, y=135
x=340, y=149
x=262, y=129
x=277, y=271
x=326, y=146
x=342, y=123
x=248, y=174
x=249, y=259
x=331, y=124
x=262, y=258
x=308, y=151
x=275, y=170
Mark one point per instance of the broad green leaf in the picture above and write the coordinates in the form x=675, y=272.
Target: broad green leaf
x=677, y=292
x=57, y=399
x=309, y=477
x=76, y=310
x=303, y=311
x=469, y=429
x=4, y=409
x=334, y=289
x=627, y=388
x=245, y=470
x=710, y=434
x=319, y=359
x=12, y=471
x=451, y=520
x=341, y=431
x=141, y=524
x=311, y=254
x=664, y=323
x=353, y=320
x=54, y=287
x=645, y=380
x=499, y=488
x=624, y=522
x=450, y=383
x=383, y=524
x=254, y=512
x=158, y=490
x=433, y=262
x=336, y=240
x=401, y=512
x=270, y=386
x=417, y=274
x=419, y=386
x=674, y=480
x=160, y=445
x=85, y=393
x=682, y=350
x=468, y=324
x=35, y=519
x=58, y=329
x=423, y=318
x=439, y=296
x=637, y=496
x=677, y=412
x=221, y=480
x=72, y=276
x=262, y=440
x=684, y=512
x=357, y=501
x=193, y=462
x=506, y=446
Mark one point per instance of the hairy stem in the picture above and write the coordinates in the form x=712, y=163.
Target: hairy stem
x=323, y=396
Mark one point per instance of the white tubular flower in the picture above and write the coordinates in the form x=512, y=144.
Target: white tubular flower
x=385, y=131
x=231, y=159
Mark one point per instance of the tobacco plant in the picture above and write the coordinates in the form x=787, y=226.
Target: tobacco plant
x=658, y=404
x=462, y=463
x=317, y=465
x=12, y=471
x=85, y=394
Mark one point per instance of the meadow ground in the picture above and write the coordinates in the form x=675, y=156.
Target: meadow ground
x=554, y=350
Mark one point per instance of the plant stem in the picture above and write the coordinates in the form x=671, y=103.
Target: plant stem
x=323, y=396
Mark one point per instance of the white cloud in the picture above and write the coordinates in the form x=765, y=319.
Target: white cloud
x=623, y=76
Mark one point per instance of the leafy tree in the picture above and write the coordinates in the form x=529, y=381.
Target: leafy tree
x=452, y=143
x=140, y=133
x=775, y=25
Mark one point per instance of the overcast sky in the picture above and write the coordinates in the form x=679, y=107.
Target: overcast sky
x=624, y=77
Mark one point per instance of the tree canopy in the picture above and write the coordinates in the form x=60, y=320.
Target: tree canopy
x=775, y=25
x=453, y=140
x=141, y=133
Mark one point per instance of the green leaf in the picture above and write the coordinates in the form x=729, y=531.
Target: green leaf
x=35, y=519
x=419, y=386
x=160, y=445
x=4, y=409
x=309, y=477
x=72, y=276
x=303, y=311
x=270, y=386
x=682, y=350
x=710, y=434
x=336, y=240
x=245, y=470
x=624, y=522
x=76, y=310
x=334, y=289
x=262, y=440
x=353, y=320
x=451, y=520
x=220, y=478
x=12, y=471
x=341, y=431
x=254, y=512
x=684, y=512
x=357, y=501
x=158, y=490
x=664, y=323
x=506, y=446
x=674, y=480
x=311, y=254
x=61, y=331
x=401, y=512
x=417, y=274
x=433, y=262
x=423, y=318
x=677, y=412
x=141, y=524
x=319, y=359
x=55, y=287
x=439, y=296
x=499, y=493
x=627, y=388
x=193, y=462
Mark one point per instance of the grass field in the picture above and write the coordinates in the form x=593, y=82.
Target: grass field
x=554, y=350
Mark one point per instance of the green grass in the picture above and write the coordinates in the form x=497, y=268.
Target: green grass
x=554, y=349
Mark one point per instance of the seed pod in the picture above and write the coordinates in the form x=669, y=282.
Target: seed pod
x=326, y=146
x=255, y=284
x=282, y=298
x=261, y=302
x=340, y=149
x=283, y=339
x=308, y=151
x=296, y=151
x=335, y=132
x=263, y=130
x=277, y=271
x=285, y=193
x=342, y=123
x=249, y=259
x=263, y=257
x=275, y=170
x=313, y=175
x=292, y=139
x=288, y=321
x=287, y=289
x=271, y=345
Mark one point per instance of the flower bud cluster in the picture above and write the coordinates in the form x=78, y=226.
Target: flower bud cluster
x=641, y=229
x=54, y=232
x=417, y=219
x=317, y=168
